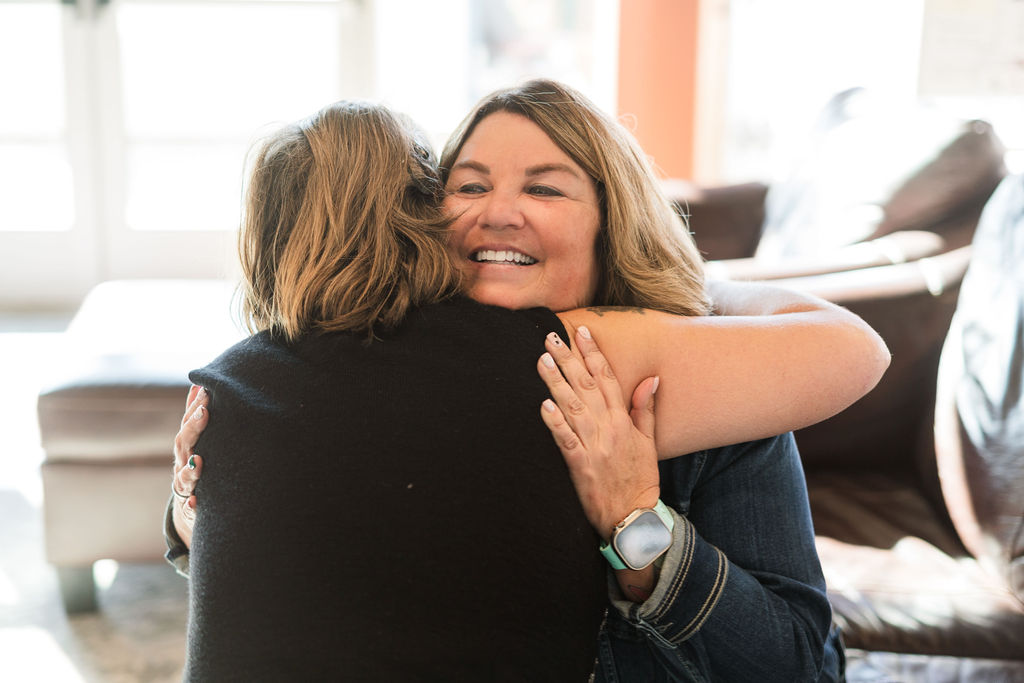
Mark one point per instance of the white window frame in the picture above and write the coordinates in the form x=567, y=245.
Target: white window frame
x=53, y=270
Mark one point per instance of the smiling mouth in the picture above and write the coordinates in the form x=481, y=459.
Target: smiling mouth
x=504, y=257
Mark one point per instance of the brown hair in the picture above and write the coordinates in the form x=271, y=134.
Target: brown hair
x=342, y=228
x=646, y=256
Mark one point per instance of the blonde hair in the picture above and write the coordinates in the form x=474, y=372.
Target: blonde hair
x=646, y=255
x=342, y=228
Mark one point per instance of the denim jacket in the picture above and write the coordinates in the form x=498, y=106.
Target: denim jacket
x=740, y=596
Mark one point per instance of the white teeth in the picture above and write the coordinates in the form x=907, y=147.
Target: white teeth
x=506, y=256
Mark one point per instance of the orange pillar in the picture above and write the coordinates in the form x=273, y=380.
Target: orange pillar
x=658, y=79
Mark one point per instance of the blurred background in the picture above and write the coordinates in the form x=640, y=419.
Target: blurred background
x=124, y=123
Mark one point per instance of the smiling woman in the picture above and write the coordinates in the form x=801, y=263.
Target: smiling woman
x=538, y=169
x=525, y=213
x=583, y=188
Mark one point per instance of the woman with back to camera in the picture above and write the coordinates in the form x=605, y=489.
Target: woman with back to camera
x=354, y=531
x=788, y=380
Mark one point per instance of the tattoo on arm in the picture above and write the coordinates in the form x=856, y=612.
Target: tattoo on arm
x=601, y=310
x=639, y=593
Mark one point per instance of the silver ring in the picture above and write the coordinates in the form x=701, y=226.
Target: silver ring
x=177, y=493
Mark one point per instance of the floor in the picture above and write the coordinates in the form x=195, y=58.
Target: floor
x=138, y=634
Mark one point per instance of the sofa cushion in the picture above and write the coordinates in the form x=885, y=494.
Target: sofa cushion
x=979, y=432
x=873, y=167
x=898, y=578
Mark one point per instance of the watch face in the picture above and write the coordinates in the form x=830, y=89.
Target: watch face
x=643, y=540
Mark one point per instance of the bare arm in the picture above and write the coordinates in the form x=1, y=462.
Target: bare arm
x=775, y=361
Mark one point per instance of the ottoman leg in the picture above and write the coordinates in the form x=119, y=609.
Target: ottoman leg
x=77, y=588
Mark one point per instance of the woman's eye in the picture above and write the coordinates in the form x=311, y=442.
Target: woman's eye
x=471, y=188
x=544, y=191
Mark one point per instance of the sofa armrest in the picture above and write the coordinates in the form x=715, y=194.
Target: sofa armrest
x=933, y=275
x=899, y=247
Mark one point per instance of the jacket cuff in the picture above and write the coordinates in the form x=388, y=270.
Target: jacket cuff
x=690, y=583
x=177, y=551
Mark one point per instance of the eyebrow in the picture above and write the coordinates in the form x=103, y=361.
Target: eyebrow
x=532, y=171
x=551, y=168
x=472, y=165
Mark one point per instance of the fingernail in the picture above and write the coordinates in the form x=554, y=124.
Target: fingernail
x=554, y=339
x=201, y=394
x=192, y=461
x=548, y=405
x=198, y=415
x=584, y=331
x=657, y=381
x=547, y=360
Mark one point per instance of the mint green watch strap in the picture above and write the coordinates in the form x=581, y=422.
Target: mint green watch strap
x=665, y=514
x=613, y=558
x=609, y=554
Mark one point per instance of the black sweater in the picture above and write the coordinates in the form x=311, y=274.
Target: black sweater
x=390, y=512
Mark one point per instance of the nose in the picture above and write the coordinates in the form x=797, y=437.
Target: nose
x=501, y=211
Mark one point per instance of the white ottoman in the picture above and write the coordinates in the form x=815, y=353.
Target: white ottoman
x=108, y=417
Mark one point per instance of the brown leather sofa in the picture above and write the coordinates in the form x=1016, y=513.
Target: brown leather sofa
x=920, y=518
x=917, y=490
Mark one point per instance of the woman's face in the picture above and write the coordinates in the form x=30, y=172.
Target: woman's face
x=526, y=218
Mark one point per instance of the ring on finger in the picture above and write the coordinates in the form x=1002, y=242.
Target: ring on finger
x=179, y=494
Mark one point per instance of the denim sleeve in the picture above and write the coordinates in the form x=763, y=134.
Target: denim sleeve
x=741, y=595
x=177, y=551
x=701, y=568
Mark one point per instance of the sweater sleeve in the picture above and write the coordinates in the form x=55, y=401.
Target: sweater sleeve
x=177, y=551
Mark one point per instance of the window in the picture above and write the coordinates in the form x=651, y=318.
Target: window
x=122, y=140
x=788, y=57
x=36, y=190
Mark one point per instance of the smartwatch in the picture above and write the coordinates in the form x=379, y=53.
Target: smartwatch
x=640, y=538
